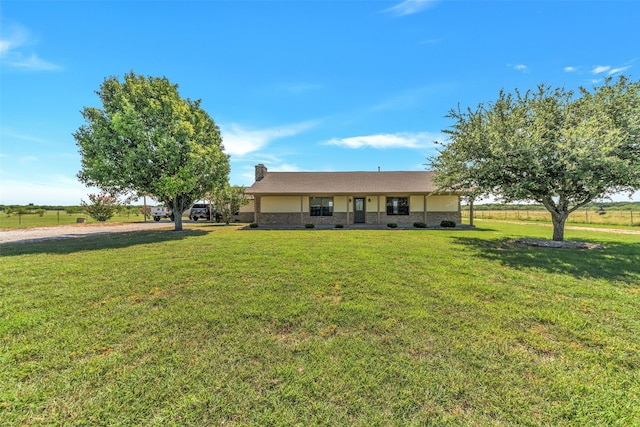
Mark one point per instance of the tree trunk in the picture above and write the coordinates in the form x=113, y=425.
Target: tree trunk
x=178, y=220
x=558, y=220
x=177, y=214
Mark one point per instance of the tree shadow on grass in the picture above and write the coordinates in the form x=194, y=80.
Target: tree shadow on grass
x=93, y=242
x=619, y=261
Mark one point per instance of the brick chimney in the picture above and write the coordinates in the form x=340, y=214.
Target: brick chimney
x=261, y=172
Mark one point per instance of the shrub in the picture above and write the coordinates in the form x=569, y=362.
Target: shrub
x=392, y=225
x=102, y=206
x=419, y=225
x=253, y=225
x=309, y=225
x=339, y=226
x=448, y=224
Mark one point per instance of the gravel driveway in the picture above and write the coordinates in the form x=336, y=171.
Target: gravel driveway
x=36, y=234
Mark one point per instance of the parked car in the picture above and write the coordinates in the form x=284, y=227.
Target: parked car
x=203, y=211
x=159, y=212
x=200, y=211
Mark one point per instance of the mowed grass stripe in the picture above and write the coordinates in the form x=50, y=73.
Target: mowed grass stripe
x=320, y=327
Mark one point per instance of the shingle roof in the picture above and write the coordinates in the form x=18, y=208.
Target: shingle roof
x=298, y=183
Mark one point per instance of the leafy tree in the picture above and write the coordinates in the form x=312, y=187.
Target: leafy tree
x=228, y=201
x=548, y=146
x=148, y=140
x=102, y=207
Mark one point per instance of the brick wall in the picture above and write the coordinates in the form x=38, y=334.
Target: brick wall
x=293, y=218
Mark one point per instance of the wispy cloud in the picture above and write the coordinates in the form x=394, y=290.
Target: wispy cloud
x=520, y=67
x=32, y=62
x=243, y=170
x=608, y=69
x=601, y=69
x=15, y=53
x=43, y=190
x=410, y=98
x=241, y=141
x=387, y=140
x=9, y=134
x=618, y=70
x=409, y=7
x=570, y=69
x=28, y=159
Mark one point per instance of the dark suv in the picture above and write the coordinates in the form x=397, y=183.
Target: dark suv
x=200, y=211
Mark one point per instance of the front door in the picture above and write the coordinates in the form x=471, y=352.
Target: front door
x=358, y=210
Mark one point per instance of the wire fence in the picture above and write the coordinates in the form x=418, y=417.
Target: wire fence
x=581, y=216
x=59, y=217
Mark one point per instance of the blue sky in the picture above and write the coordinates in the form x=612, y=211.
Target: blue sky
x=296, y=85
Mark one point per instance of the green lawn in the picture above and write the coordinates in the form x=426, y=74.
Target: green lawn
x=220, y=326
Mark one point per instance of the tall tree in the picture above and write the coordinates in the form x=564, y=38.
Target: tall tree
x=146, y=139
x=550, y=146
x=228, y=201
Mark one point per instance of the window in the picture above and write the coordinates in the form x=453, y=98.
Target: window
x=321, y=206
x=397, y=206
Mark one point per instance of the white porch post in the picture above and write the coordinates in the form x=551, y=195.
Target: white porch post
x=348, y=198
x=425, y=209
x=256, y=201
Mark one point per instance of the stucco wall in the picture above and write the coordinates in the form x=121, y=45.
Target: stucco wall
x=286, y=210
x=442, y=204
x=281, y=204
x=248, y=207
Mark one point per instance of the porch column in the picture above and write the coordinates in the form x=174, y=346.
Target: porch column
x=471, y=212
x=301, y=210
x=378, y=208
x=425, y=209
x=348, y=198
x=256, y=201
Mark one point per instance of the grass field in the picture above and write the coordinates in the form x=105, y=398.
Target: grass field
x=59, y=218
x=582, y=216
x=221, y=326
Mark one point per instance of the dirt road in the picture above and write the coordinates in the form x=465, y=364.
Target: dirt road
x=36, y=234
x=575, y=227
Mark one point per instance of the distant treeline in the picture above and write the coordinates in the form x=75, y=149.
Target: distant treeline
x=31, y=208
x=613, y=206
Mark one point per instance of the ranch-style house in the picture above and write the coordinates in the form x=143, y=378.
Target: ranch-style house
x=369, y=198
